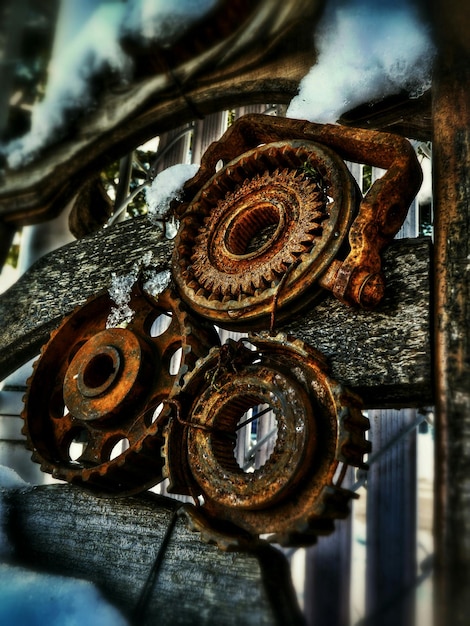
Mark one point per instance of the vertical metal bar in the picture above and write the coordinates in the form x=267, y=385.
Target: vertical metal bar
x=391, y=522
x=328, y=575
x=451, y=179
x=206, y=131
x=125, y=173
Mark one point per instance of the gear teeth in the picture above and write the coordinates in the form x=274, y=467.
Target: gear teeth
x=273, y=175
x=337, y=410
x=225, y=541
x=140, y=466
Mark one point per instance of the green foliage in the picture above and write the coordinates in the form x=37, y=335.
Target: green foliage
x=13, y=254
x=142, y=161
x=366, y=178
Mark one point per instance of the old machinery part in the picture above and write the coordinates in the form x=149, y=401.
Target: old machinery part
x=280, y=210
x=315, y=431
x=244, y=205
x=93, y=400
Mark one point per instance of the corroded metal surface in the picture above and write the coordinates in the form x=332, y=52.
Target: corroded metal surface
x=354, y=276
x=95, y=390
x=283, y=209
x=296, y=494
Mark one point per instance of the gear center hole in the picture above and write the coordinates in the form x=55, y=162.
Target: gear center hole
x=99, y=371
x=254, y=229
x=256, y=437
x=254, y=426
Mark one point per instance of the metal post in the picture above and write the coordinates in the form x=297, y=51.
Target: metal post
x=451, y=149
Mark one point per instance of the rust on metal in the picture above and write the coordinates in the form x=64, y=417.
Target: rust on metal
x=283, y=206
x=286, y=180
x=296, y=494
x=95, y=390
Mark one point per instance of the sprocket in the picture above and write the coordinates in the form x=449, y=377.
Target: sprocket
x=320, y=430
x=96, y=390
x=280, y=210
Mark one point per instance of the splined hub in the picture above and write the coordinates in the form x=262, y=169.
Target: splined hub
x=93, y=402
x=295, y=493
x=280, y=210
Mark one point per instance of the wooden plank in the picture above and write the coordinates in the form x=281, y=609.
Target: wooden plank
x=64, y=279
x=115, y=543
x=451, y=172
x=384, y=355
x=263, y=62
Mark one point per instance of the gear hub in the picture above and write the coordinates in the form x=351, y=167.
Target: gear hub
x=317, y=430
x=93, y=401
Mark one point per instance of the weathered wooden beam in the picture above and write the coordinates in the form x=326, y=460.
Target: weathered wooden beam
x=263, y=62
x=64, y=279
x=122, y=545
x=384, y=355
x=400, y=114
x=451, y=169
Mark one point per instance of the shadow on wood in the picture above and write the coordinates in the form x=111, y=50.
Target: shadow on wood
x=116, y=543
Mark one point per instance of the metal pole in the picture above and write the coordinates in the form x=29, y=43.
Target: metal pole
x=451, y=149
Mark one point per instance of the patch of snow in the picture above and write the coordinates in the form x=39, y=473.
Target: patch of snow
x=157, y=282
x=162, y=21
x=167, y=186
x=94, y=49
x=35, y=599
x=154, y=282
x=367, y=49
x=120, y=292
x=88, y=45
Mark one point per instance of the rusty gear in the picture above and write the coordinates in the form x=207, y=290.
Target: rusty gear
x=354, y=276
x=99, y=387
x=297, y=493
x=282, y=209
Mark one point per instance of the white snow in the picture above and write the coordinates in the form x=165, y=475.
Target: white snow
x=367, y=49
x=154, y=282
x=120, y=292
x=32, y=599
x=166, y=186
x=157, y=282
x=94, y=48
x=90, y=45
x=163, y=21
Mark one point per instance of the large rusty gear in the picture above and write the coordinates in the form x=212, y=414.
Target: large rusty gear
x=279, y=210
x=355, y=275
x=99, y=387
x=297, y=493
